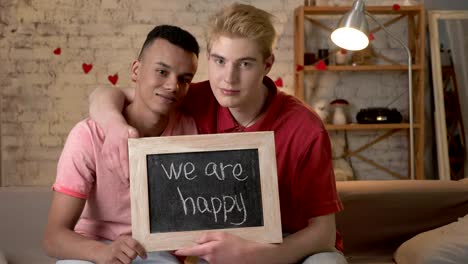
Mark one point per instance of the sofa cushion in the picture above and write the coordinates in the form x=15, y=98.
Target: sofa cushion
x=446, y=244
x=2, y=258
x=21, y=232
x=379, y=216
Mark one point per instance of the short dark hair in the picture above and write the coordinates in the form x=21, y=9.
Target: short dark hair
x=174, y=35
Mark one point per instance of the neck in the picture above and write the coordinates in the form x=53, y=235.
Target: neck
x=148, y=123
x=249, y=115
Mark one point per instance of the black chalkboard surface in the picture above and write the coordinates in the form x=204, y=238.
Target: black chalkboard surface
x=204, y=190
x=184, y=186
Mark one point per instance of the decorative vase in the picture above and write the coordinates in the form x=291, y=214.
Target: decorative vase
x=340, y=57
x=339, y=116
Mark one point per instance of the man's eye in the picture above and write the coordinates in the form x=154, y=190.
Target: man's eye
x=245, y=64
x=219, y=61
x=162, y=72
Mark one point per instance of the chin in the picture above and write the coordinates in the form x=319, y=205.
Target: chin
x=162, y=110
x=226, y=101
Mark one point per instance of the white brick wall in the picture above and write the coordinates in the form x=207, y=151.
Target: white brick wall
x=43, y=95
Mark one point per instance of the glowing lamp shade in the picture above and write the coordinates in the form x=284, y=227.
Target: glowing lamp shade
x=352, y=30
x=350, y=38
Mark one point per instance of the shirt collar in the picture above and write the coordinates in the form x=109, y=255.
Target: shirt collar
x=226, y=123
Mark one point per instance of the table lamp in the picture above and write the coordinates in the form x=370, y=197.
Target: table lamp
x=352, y=34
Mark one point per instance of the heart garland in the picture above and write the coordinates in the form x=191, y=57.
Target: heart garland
x=113, y=78
x=87, y=67
x=321, y=66
x=279, y=82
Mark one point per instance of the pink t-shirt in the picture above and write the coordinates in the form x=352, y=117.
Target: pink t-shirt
x=82, y=173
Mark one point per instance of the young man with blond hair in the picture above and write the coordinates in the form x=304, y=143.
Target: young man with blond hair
x=239, y=97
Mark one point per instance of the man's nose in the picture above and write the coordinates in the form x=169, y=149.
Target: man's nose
x=231, y=74
x=172, y=84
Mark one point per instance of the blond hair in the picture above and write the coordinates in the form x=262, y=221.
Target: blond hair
x=245, y=21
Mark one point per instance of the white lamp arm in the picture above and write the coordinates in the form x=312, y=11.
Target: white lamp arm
x=410, y=92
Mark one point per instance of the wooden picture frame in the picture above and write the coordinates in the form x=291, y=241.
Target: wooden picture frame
x=141, y=149
x=440, y=121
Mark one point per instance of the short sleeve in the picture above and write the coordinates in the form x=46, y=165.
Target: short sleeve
x=315, y=180
x=76, y=167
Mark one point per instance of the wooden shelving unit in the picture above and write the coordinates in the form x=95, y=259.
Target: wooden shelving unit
x=355, y=126
x=364, y=68
x=414, y=17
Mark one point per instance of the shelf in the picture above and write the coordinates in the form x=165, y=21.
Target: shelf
x=379, y=10
x=321, y=21
x=355, y=126
x=311, y=68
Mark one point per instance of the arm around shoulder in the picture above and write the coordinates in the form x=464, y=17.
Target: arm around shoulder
x=106, y=105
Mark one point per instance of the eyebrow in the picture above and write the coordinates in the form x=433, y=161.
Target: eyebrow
x=240, y=59
x=188, y=74
x=163, y=64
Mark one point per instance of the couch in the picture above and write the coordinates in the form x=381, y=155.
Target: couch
x=24, y=215
x=378, y=217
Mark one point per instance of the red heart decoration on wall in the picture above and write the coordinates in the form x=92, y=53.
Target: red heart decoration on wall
x=113, y=78
x=321, y=65
x=279, y=82
x=371, y=37
x=299, y=68
x=396, y=7
x=57, y=51
x=87, y=67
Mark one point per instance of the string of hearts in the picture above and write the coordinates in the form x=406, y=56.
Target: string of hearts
x=320, y=65
x=114, y=78
x=88, y=67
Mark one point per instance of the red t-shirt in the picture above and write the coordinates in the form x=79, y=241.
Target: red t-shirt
x=306, y=179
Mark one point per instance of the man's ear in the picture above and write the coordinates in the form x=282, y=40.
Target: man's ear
x=269, y=63
x=135, y=70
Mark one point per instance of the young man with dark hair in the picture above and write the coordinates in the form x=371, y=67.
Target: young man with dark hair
x=89, y=219
x=239, y=97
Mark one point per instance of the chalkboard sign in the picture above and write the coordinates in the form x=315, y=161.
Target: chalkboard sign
x=183, y=186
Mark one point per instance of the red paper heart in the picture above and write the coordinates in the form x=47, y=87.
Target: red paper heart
x=113, y=78
x=279, y=82
x=321, y=65
x=57, y=51
x=86, y=67
x=343, y=51
x=371, y=37
x=299, y=68
x=396, y=7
